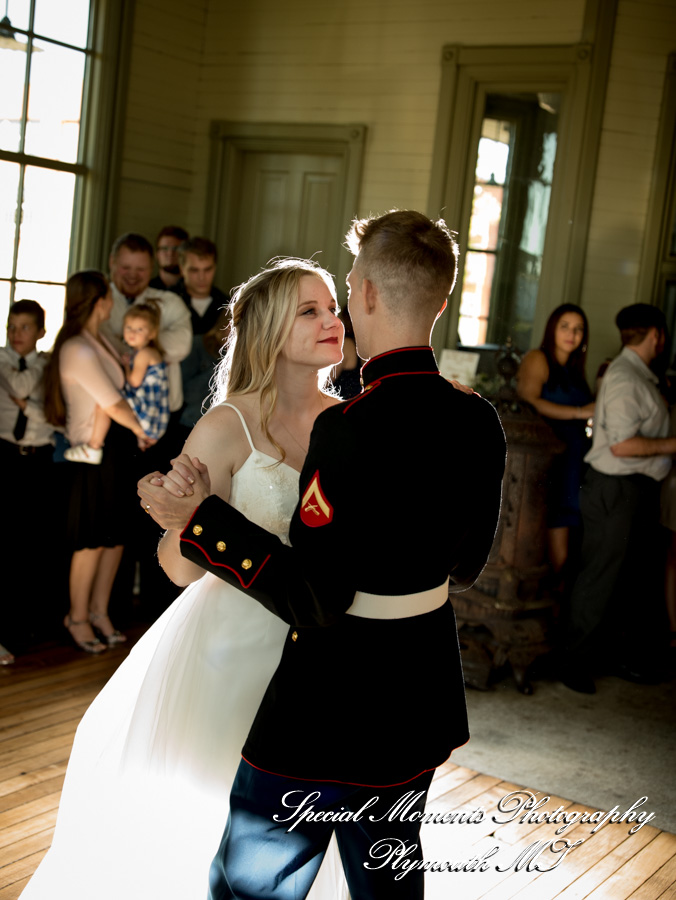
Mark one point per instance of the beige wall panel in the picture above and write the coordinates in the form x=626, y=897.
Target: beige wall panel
x=143, y=205
x=376, y=62
x=158, y=153
x=622, y=194
x=644, y=35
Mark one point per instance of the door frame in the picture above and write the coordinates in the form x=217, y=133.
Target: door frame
x=231, y=140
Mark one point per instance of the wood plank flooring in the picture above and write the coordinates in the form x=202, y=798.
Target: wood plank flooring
x=44, y=695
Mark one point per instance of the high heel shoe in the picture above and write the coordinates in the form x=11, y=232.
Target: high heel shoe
x=115, y=637
x=95, y=646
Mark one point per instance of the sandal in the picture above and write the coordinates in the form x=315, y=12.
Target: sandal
x=6, y=658
x=95, y=646
x=115, y=636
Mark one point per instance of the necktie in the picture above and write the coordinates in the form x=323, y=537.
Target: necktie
x=21, y=419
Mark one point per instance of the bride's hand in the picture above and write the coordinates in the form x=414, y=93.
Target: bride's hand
x=459, y=386
x=170, y=506
x=185, y=473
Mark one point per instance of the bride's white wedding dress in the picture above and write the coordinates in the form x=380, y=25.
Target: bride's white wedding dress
x=145, y=798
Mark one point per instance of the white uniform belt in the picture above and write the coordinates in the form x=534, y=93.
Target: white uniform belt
x=398, y=606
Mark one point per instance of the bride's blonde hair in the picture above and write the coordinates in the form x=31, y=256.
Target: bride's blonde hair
x=263, y=312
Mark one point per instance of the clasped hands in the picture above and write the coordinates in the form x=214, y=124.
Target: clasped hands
x=171, y=499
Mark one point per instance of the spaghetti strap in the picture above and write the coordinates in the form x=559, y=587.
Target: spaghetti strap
x=241, y=419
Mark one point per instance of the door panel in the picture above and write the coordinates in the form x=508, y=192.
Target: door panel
x=282, y=189
x=289, y=205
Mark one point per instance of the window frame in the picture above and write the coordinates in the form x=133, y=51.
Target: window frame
x=658, y=262
x=105, y=76
x=469, y=74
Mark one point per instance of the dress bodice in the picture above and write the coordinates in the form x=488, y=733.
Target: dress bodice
x=264, y=490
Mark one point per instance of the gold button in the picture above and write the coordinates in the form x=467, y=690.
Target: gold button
x=294, y=636
x=220, y=546
x=246, y=564
x=197, y=529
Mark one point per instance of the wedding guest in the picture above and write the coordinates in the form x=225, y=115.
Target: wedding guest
x=26, y=447
x=552, y=379
x=85, y=372
x=167, y=243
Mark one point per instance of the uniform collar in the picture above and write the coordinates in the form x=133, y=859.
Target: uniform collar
x=401, y=361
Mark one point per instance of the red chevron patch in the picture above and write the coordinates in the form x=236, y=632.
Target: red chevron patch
x=315, y=509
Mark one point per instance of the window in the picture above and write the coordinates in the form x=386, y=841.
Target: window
x=44, y=61
x=515, y=148
x=508, y=221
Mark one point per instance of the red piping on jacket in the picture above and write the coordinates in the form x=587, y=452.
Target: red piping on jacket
x=225, y=566
x=338, y=781
x=376, y=383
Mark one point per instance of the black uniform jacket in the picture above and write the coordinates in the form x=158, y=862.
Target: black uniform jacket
x=400, y=490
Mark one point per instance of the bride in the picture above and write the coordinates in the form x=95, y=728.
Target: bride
x=146, y=793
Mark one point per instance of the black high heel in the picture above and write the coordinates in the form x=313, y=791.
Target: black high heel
x=111, y=639
x=96, y=646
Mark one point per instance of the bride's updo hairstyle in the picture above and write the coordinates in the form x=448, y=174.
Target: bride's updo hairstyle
x=263, y=312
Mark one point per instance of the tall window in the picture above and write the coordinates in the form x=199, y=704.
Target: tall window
x=508, y=222
x=44, y=60
x=514, y=161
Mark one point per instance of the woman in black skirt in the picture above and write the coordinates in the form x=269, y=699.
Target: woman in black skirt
x=84, y=375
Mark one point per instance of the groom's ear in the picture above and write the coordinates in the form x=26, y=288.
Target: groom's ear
x=370, y=295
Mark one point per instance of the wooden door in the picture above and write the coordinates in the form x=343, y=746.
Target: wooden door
x=282, y=190
x=289, y=205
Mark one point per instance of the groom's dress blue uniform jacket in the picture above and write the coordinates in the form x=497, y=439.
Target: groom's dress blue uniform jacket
x=400, y=491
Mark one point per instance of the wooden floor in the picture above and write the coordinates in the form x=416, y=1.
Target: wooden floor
x=43, y=696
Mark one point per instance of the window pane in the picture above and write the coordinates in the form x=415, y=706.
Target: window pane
x=493, y=155
x=9, y=189
x=51, y=298
x=510, y=207
x=4, y=306
x=44, y=237
x=475, y=298
x=18, y=12
x=12, y=78
x=55, y=101
x=65, y=22
x=486, y=214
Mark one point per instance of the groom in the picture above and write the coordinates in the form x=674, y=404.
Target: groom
x=400, y=496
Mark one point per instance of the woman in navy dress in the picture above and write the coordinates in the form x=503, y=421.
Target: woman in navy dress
x=552, y=380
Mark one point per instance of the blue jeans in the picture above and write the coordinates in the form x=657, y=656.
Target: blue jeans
x=263, y=859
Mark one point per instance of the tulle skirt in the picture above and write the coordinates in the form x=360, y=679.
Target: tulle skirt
x=145, y=798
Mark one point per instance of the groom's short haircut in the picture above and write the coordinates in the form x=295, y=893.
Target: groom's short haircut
x=412, y=260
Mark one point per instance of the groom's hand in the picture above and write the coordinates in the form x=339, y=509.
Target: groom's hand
x=171, y=499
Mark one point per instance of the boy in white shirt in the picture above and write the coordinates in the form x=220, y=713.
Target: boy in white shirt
x=26, y=438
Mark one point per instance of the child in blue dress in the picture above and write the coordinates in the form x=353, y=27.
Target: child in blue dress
x=146, y=386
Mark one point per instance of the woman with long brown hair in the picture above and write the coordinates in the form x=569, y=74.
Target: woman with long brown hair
x=552, y=380
x=84, y=374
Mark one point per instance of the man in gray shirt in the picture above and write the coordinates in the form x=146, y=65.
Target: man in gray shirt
x=615, y=605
